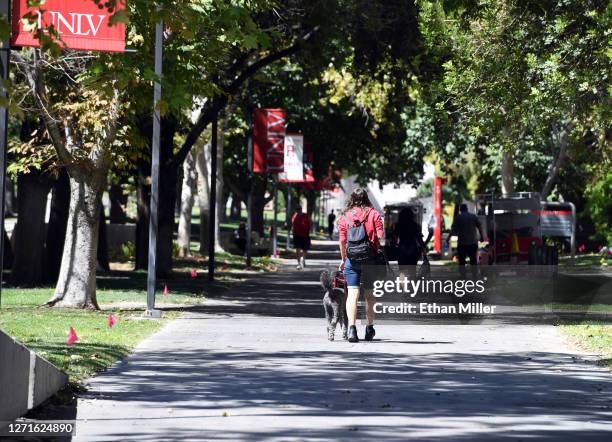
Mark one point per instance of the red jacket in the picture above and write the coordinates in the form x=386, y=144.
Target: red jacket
x=373, y=224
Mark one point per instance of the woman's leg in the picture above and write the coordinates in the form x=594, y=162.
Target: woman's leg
x=351, y=305
x=370, y=301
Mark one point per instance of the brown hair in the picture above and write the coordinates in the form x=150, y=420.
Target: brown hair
x=359, y=198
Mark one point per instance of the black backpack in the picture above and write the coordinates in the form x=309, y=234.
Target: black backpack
x=359, y=249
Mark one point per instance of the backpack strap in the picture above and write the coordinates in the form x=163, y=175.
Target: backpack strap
x=356, y=221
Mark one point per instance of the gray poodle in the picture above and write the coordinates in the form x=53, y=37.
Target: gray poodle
x=334, y=302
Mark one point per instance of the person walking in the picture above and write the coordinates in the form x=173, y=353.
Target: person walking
x=465, y=226
x=331, y=219
x=360, y=229
x=410, y=245
x=431, y=227
x=300, y=227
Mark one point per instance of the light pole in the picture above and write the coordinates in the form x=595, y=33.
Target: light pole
x=213, y=193
x=154, y=215
x=5, y=58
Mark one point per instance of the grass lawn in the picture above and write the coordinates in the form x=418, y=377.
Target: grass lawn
x=44, y=330
x=121, y=292
x=587, y=261
x=592, y=337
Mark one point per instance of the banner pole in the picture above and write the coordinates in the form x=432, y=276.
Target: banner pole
x=289, y=213
x=5, y=58
x=153, y=218
x=275, y=220
x=213, y=192
x=249, y=206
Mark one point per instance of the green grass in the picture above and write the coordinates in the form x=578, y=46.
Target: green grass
x=122, y=293
x=592, y=260
x=44, y=330
x=594, y=337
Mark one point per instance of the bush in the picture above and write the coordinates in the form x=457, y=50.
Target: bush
x=600, y=206
x=123, y=252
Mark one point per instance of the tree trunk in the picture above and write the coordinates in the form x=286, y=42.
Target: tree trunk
x=118, y=203
x=56, y=230
x=143, y=196
x=7, y=262
x=220, y=191
x=180, y=172
x=557, y=164
x=223, y=207
x=30, y=229
x=165, y=234
x=103, y=255
x=258, y=202
x=168, y=176
x=235, y=208
x=507, y=173
x=190, y=178
x=10, y=198
x=202, y=158
x=76, y=286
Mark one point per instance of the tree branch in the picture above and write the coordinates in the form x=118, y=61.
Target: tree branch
x=557, y=164
x=207, y=111
x=36, y=81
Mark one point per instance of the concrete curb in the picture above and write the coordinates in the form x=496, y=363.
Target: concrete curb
x=26, y=379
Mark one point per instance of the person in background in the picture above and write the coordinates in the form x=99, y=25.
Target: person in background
x=300, y=227
x=409, y=238
x=465, y=226
x=331, y=219
x=359, y=211
x=240, y=237
x=431, y=226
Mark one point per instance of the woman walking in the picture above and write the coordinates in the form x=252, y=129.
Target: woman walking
x=410, y=245
x=360, y=229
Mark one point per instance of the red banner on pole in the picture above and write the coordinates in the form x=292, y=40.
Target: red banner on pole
x=268, y=141
x=82, y=25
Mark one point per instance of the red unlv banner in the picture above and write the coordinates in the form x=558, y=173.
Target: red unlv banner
x=80, y=23
x=268, y=141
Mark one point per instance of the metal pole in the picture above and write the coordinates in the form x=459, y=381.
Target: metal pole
x=157, y=94
x=5, y=58
x=289, y=213
x=249, y=227
x=275, y=220
x=213, y=194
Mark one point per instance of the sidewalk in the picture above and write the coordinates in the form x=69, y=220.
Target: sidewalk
x=255, y=364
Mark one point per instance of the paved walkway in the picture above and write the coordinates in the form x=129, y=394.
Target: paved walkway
x=254, y=364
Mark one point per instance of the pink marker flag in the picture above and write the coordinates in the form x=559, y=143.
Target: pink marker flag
x=166, y=290
x=111, y=321
x=194, y=273
x=72, y=337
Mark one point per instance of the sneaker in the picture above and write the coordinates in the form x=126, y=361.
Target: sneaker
x=298, y=267
x=370, y=333
x=352, y=334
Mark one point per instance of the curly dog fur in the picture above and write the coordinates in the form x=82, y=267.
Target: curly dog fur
x=334, y=304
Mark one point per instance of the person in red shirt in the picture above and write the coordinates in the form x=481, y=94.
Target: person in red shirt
x=359, y=209
x=300, y=226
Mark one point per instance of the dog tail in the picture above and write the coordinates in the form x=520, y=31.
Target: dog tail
x=325, y=279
